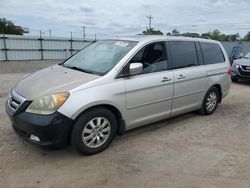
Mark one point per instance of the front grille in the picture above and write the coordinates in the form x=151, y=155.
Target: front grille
x=246, y=68
x=15, y=100
x=243, y=72
x=14, y=104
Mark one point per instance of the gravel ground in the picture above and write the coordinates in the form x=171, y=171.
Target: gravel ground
x=186, y=151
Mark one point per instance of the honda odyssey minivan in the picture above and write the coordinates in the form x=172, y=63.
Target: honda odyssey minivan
x=115, y=85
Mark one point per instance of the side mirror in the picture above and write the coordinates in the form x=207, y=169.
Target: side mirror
x=135, y=69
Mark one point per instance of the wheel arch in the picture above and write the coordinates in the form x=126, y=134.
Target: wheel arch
x=119, y=117
x=218, y=86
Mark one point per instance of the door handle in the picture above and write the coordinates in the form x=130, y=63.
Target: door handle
x=166, y=79
x=181, y=77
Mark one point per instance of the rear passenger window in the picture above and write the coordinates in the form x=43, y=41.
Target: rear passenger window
x=183, y=54
x=212, y=53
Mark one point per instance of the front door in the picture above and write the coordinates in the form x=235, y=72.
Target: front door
x=149, y=95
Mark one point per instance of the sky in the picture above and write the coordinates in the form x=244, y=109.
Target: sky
x=118, y=18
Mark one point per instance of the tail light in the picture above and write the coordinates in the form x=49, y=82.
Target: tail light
x=229, y=72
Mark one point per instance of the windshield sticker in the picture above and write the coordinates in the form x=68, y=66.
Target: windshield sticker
x=123, y=44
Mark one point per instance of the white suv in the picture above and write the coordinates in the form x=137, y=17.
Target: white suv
x=118, y=84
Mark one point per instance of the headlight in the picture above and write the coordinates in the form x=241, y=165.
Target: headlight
x=235, y=66
x=47, y=104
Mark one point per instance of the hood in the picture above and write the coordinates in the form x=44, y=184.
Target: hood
x=243, y=61
x=52, y=80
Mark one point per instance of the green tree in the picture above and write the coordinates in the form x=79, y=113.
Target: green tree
x=175, y=32
x=216, y=35
x=196, y=35
x=8, y=27
x=152, y=32
x=225, y=37
x=206, y=35
x=234, y=37
x=247, y=36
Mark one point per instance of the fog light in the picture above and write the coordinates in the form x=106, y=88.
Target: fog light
x=35, y=138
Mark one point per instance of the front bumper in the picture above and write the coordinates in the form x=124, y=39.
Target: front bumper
x=241, y=77
x=52, y=130
x=239, y=73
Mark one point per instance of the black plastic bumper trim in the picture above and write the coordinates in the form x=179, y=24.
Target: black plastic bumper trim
x=52, y=130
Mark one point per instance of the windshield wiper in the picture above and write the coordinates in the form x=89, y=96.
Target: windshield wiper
x=79, y=69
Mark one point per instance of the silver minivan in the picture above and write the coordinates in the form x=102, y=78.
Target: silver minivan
x=115, y=85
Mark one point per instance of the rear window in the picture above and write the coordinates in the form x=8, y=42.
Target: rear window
x=183, y=54
x=212, y=53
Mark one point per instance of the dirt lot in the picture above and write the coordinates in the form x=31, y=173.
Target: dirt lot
x=187, y=151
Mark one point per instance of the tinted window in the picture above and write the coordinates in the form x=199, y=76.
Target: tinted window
x=212, y=53
x=183, y=54
x=138, y=56
x=152, y=57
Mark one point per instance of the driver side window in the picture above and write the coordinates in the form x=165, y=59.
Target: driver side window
x=153, y=58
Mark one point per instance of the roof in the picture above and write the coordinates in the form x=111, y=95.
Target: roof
x=148, y=38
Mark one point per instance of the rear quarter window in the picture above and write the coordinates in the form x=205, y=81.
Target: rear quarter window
x=212, y=53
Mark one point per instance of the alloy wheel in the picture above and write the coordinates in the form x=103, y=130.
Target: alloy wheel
x=96, y=132
x=211, y=101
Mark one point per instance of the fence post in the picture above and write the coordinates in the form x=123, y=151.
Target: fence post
x=5, y=47
x=41, y=44
x=71, y=44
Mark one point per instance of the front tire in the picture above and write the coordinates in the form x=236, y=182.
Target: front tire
x=94, y=131
x=210, y=101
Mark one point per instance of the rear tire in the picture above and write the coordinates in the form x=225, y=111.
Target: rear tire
x=94, y=131
x=210, y=101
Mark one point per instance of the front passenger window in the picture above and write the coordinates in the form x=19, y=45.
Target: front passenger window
x=152, y=57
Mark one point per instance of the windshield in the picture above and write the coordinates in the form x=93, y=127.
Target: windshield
x=100, y=57
x=247, y=55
